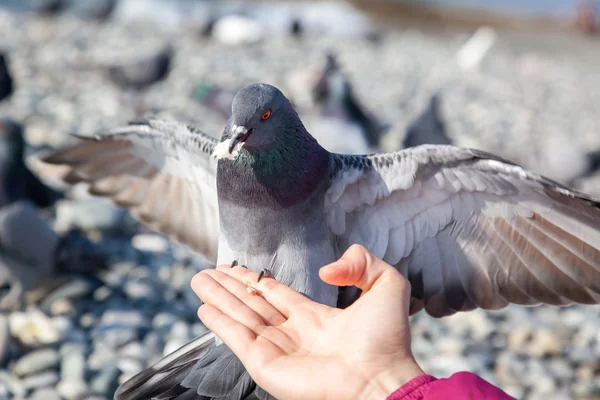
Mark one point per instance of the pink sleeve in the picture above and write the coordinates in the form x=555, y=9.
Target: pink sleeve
x=462, y=385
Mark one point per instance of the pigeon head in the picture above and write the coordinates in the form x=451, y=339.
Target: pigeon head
x=261, y=116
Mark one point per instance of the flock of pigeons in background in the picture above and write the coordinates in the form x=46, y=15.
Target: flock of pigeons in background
x=342, y=124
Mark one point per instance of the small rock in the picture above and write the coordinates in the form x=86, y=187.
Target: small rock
x=115, y=336
x=43, y=379
x=87, y=320
x=36, y=361
x=72, y=389
x=72, y=366
x=124, y=318
x=139, y=290
x=45, y=394
x=519, y=337
x=102, y=293
x=72, y=289
x=129, y=366
x=134, y=350
x=102, y=356
x=90, y=214
x=62, y=307
x=150, y=243
x=33, y=328
x=237, y=29
x=163, y=321
x=545, y=342
x=106, y=381
x=9, y=383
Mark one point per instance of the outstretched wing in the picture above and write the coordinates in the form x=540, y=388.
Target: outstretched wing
x=161, y=170
x=467, y=228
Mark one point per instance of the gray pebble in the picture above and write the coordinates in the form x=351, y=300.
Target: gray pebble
x=45, y=394
x=73, y=361
x=106, y=381
x=125, y=318
x=10, y=384
x=43, y=379
x=102, y=356
x=72, y=389
x=72, y=289
x=36, y=361
x=139, y=290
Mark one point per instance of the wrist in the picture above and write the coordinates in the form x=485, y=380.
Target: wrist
x=390, y=379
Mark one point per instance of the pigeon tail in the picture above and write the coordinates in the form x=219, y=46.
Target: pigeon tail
x=201, y=369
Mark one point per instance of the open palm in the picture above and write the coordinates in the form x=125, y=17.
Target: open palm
x=298, y=349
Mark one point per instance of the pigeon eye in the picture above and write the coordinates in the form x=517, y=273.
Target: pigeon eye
x=266, y=115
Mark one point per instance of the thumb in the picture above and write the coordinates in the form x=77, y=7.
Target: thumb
x=359, y=267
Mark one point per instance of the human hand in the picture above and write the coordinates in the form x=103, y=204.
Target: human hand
x=295, y=348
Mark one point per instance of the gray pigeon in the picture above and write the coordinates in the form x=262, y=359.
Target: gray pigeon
x=467, y=228
x=428, y=128
x=334, y=94
x=17, y=182
x=6, y=80
x=140, y=74
x=27, y=246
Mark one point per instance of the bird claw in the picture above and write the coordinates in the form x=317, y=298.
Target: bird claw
x=264, y=273
x=234, y=263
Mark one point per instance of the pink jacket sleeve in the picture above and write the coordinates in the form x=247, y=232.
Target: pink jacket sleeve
x=462, y=385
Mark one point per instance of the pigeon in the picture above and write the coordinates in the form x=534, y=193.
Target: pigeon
x=139, y=74
x=334, y=95
x=32, y=253
x=49, y=7
x=27, y=246
x=17, y=182
x=467, y=228
x=6, y=81
x=215, y=98
x=428, y=128
x=93, y=10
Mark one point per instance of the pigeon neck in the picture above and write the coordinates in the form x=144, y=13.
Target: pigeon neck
x=284, y=175
x=285, y=157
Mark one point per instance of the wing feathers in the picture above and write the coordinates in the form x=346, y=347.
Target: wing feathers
x=161, y=170
x=468, y=228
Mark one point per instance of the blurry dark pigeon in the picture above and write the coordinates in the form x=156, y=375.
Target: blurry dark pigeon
x=31, y=252
x=467, y=228
x=17, y=182
x=139, y=74
x=333, y=92
x=6, y=80
x=215, y=98
x=93, y=9
x=27, y=246
x=49, y=7
x=428, y=128
x=593, y=160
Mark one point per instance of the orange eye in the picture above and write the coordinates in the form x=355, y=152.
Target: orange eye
x=266, y=115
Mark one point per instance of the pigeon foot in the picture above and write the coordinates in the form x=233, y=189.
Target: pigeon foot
x=264, y=273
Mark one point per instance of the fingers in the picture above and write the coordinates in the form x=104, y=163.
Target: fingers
x=214, y=294
x=281, y=297
x=359, y=267
x=257, y=303
x=238, y=337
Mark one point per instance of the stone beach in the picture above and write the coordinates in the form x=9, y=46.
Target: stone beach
x=533, y=99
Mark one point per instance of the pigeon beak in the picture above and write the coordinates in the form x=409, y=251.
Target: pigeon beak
x=238, y=134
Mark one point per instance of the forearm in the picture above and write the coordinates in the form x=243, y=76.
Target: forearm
x=462, y=385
